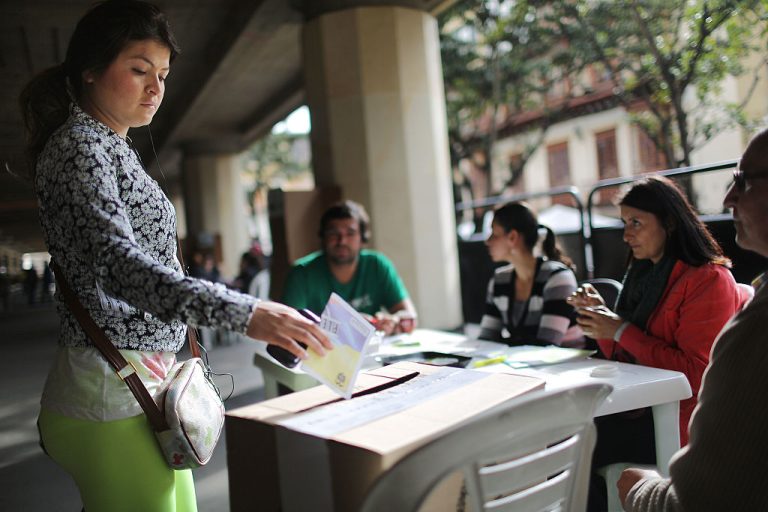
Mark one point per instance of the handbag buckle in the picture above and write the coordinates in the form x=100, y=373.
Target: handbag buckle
x=126, y=371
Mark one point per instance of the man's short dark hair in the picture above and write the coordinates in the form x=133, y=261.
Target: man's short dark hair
x=347, y=210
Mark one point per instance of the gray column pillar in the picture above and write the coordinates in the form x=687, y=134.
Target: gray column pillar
x=375, y=91
x=215, y=205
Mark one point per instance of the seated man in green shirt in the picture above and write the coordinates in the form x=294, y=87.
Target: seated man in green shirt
x=364, y=278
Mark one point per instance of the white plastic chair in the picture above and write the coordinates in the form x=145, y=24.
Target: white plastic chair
x=611, y=474
x=532, y=453
x=746, y=293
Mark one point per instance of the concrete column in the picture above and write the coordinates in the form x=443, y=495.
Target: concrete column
x=375, y=92
x=215, y=205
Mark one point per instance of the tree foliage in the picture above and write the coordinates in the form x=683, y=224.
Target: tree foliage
x=499, y=61
x=666, y=61
x=274, y=160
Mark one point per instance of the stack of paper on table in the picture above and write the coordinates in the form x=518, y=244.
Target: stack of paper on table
x=530, y=355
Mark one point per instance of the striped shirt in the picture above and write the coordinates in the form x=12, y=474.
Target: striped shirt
x=545, y=318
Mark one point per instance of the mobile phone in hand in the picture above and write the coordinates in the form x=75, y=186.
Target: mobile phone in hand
x=282, y=355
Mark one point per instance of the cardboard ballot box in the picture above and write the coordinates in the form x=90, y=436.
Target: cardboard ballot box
x=311, y=450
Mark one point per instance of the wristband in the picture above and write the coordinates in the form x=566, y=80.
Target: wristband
x=620, y=331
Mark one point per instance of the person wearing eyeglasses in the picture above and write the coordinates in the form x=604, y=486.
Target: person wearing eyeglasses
x=723, y=466
x=365, y=278
x=678, y=293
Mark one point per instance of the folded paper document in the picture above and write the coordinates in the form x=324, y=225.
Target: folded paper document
x=350, y=334
x=523, y=356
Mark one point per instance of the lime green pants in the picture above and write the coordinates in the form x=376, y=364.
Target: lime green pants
x=117, y=465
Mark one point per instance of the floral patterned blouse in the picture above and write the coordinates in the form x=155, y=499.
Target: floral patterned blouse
x=112, y=231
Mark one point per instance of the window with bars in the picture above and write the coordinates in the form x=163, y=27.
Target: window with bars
x=607, y=163
x=651, y=158
x=559, y=169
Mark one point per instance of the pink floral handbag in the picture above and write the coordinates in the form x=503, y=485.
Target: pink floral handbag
x=187, y=414
x=194, y=414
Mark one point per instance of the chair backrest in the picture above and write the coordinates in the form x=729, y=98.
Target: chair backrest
x=608, y=288
x=746, y=293
x=532, y=453
x=259, y=285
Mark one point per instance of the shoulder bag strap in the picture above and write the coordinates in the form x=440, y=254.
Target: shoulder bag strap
x=123, y=368
x=194, y=347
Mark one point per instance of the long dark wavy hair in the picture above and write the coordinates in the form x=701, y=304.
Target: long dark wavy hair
x=520, y=217
x=688, y=239
x=100, y=35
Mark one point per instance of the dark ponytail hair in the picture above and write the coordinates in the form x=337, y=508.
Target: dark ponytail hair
x=100, y=35
x=520, y=217
x=44, y=106
x=688, y=239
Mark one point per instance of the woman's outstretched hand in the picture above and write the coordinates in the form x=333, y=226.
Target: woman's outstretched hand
x=280, y=325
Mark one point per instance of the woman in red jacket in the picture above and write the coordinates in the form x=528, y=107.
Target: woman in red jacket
x=678, y=293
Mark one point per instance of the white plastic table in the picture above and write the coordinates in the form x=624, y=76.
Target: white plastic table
x=634, y=386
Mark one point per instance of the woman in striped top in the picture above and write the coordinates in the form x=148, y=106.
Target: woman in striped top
x=526, y=302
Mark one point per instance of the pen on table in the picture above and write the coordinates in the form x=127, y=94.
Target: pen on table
x=488, y=362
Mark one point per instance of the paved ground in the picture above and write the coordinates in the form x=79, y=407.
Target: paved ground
x=29, y=481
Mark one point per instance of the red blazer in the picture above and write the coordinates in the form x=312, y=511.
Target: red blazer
x=695, y=306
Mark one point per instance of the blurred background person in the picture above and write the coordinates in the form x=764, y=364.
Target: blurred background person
x=46, y=282
x=30, y=284
x=251, y=263
x=204, y=266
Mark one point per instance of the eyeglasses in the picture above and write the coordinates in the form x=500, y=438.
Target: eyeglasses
x=740, y=180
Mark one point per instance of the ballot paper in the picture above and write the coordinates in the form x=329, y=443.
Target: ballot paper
x=350, y=334
x=527, y=355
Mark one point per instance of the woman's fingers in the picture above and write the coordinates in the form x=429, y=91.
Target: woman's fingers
x=288, y=344
x=592, y=295
x=589, y=318
x=310, y=335
x=598, y=322
x=585, y=296
x=386, y=323
x=589, y=312
x=283, y=326
x=577, y=299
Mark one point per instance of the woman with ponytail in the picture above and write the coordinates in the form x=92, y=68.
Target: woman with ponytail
x=526, y=301
x=112, y=232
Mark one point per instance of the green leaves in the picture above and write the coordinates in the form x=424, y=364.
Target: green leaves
x=501, y=59
x=662, y=51
x=667, y=58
